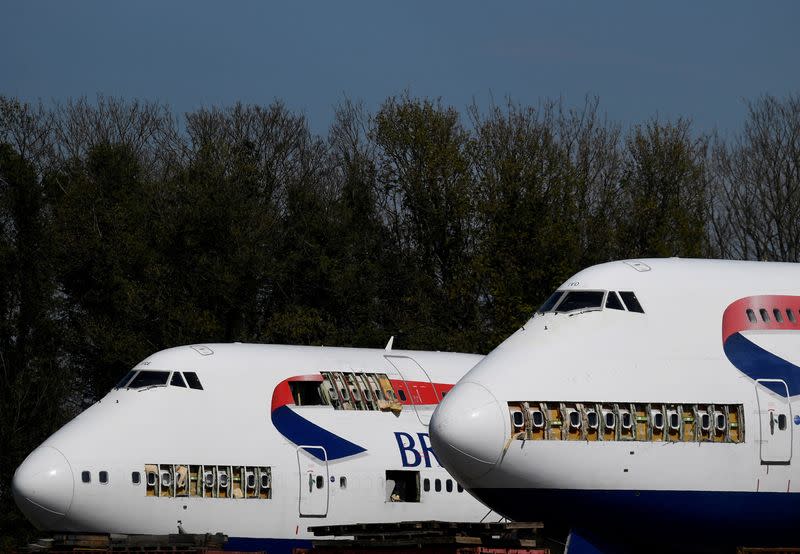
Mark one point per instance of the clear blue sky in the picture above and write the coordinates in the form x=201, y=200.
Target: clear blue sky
x=694, y=59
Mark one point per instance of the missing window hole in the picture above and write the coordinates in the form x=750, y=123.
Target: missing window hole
x=402, y=486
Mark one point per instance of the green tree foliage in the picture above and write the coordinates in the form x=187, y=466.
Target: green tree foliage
x=106, y=257
x=424, y=172
x=365, y=276
x=34, y=382
x=547, y=190
x=525, y=211
x=591, y=144
x=664, y=192
x=216, y=221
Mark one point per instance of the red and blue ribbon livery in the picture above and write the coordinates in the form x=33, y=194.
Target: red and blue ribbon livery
x=301, y=431
x=751, y=359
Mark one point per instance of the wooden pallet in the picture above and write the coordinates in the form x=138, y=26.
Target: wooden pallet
x=156, y=544
x=430, y=537
x=746, y=550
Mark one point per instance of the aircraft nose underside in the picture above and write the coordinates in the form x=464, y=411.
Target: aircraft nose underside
x=467, y=431
x=43, y=487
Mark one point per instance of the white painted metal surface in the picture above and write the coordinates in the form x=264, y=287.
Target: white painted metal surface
x=232, y=422
x=702, y=339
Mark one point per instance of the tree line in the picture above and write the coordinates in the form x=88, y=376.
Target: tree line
x=125, y=229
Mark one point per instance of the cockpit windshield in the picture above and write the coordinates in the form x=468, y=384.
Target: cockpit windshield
x=149, y=379
x=562, y=301
x=581, y=300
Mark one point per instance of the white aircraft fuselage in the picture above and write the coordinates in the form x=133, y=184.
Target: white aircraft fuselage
x=648, y=401
x=254, y=441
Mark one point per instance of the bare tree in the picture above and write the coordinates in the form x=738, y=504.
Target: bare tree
x=353, y=153
x=591, y=144
x=28, y=129
x=757, y=182
x=148, y=128
x=277, y=141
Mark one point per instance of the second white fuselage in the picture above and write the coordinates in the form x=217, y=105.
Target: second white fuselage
x=260, y=452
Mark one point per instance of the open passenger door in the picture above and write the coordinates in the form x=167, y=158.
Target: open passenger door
x=418, y=385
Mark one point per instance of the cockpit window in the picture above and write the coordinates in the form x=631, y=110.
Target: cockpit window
x=580, y=300
x=631, y=301
x=177, y=380
x=568, y=301
x=550, y=303
x=613, y=301
x=149, y=379
x=125, y=380
x=191, y=378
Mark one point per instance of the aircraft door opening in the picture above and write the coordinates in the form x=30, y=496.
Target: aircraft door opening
x=312, y=463
x=775, y=416
x=419, y=386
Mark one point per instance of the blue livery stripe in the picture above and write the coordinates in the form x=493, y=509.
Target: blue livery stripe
x=757, y=363
x=300, y=431
x=674, y=520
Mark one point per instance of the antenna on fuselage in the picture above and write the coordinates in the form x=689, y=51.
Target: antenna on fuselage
x=389, y=344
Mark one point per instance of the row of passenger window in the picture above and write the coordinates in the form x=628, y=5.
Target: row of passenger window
x=154, y=378
x=437, y=485
x=207, y=481
x=349, y=391
x=171, y=480
x=569, y=301
x=777, y=313
x=627, y=421
x=102, y=477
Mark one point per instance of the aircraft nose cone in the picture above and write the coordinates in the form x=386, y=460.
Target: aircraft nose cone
x=43, y=487
x=468, y=431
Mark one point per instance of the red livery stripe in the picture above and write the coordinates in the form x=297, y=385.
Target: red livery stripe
x=282, y=395
x=416, y=392
x=735, y=317
x=419, y=392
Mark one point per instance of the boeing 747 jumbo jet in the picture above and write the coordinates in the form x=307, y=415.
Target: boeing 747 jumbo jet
x=254, y=441
x=647, y=404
